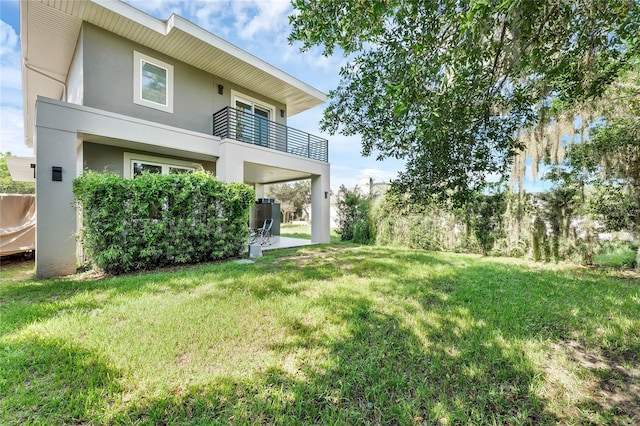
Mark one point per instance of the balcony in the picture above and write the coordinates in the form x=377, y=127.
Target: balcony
x=255, y=129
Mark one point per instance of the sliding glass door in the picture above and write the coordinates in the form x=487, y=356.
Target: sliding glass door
x=252, y=122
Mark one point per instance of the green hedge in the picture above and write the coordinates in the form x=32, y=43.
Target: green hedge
x=160, y=220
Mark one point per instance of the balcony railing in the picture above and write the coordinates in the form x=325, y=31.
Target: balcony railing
x=256, y=129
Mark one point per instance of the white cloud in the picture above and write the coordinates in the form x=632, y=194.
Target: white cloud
x=11, y=121
x=263, y=18
x=9, y=56
x=8, y=38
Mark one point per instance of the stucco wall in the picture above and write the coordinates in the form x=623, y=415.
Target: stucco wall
x=106, y=158
x=75, y=84
x=108, y=84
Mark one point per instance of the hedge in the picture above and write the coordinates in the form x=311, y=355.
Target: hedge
x=160, y=220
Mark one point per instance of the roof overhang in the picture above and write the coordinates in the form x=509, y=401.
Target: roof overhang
x=49, y=31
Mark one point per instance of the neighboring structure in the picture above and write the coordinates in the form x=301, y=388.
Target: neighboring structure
x=108, y=87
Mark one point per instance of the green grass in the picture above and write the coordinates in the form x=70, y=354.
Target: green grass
x=616, y=256
x=336, y=334
x=304, y=232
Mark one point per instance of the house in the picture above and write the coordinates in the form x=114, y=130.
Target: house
x=108, y=87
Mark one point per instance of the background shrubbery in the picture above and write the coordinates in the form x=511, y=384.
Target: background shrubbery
x=546, y=227
x=160, y=220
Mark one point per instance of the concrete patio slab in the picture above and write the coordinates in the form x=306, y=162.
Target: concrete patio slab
x=278, y=242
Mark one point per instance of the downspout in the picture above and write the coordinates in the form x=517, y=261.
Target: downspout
x=42, y=73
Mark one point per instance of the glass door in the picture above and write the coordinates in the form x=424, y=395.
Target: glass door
x=244, y=122
x=252, y=121
x=261, y=129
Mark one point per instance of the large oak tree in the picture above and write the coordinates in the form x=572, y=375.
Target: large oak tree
x=447, y=84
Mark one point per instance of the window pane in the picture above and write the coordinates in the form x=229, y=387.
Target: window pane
x=173, y=170
x=261, y=126
x=244, y=122
x=140, y=168
x=154, y=83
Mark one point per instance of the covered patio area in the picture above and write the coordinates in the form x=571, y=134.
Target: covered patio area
x=279, y=242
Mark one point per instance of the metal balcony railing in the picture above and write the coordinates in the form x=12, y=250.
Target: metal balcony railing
x=255, y=129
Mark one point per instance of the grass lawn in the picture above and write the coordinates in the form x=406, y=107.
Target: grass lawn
x=618, y=257
x=303, y=232
x=334, y=334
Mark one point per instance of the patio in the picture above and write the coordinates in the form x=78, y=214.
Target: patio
x=278, y=242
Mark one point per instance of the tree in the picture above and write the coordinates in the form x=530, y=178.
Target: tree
x=354, y=219
x=7, y=185
x=574, y=122
x=487, y=213
x=612, y=157
x=296, y=195
x=446, y=84
x=559, y=206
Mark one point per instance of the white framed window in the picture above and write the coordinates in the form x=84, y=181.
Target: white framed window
x=137, y=164
x=152, y=82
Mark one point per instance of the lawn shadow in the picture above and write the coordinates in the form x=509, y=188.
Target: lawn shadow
x=376, y=371
x=62, y=384
x=444, y=347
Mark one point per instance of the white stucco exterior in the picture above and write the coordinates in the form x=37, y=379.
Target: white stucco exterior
x=61, y=129
x=82, y=71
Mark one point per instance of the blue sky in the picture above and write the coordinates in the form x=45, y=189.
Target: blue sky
x=260, y=27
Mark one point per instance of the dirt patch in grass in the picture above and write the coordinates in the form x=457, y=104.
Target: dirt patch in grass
x=17, y=267
x=616, y=384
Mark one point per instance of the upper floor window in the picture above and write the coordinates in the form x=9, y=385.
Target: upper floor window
x=153, y=82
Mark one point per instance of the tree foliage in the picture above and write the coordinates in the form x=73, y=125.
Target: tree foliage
x=446, y=84
x=612, y=158
x=7, y=184
x=568, y=123
x=487, y=215
x=354, y=216
x=295, y=195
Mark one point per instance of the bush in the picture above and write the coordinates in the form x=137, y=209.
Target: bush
x=160, y=220
x=354, y=219
x=616, y=254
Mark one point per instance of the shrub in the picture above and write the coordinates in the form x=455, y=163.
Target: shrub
x=354, y=219
x=160, y=220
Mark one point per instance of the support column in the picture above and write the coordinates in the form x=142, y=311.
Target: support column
x=55, y=207
x=230, y=165
x=259, y=188
x=320, y=231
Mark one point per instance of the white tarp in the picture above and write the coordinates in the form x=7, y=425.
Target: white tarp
x=21, y=168
x=17, y=223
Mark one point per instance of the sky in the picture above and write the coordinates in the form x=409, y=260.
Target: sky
x=260, y=27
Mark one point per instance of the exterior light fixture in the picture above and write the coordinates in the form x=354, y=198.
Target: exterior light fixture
x=220, y=89
x=282, y=113
x=56, y=174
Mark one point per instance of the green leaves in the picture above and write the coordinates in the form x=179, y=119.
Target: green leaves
x=159, y=220
x=446, y=85
x=354, y=220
